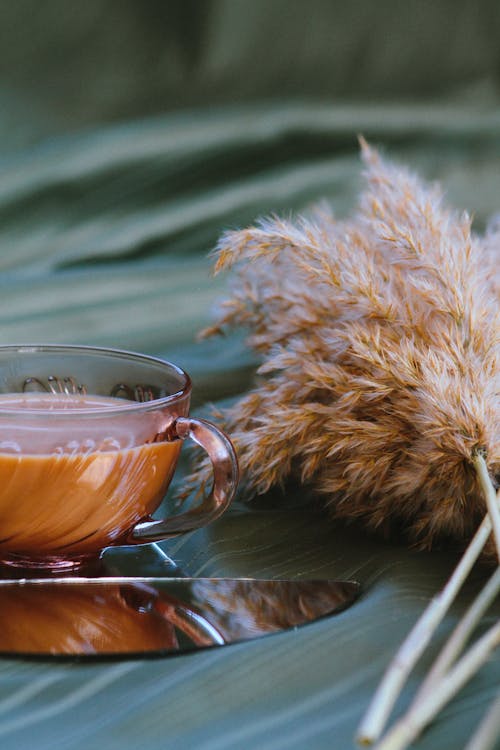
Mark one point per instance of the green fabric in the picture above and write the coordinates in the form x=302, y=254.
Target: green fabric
x=132, y=135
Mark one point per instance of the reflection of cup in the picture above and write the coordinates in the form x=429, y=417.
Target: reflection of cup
x=93, y=619
x=89, y=441
x=80, y=620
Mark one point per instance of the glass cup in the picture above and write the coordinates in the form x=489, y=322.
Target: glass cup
x=89, y=442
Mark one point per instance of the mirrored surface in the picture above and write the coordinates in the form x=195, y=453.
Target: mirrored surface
x=122, y=616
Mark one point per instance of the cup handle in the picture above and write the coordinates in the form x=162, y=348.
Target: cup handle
x=225, y=467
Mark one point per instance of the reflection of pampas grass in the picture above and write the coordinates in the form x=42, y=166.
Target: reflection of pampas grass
x=240, y=607
x=379, y=337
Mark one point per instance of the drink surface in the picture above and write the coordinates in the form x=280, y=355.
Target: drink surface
x=72, y=486
x=57, y=401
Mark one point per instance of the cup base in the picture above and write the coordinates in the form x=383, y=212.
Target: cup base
x=18, y=566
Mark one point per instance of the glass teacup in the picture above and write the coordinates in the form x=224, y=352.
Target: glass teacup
x=89, y=441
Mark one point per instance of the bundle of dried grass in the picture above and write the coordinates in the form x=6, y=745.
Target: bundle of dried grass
x=379, y=337
x=380, y=380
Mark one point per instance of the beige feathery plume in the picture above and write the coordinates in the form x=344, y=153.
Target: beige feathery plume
x=379, y=385
x=381, y=364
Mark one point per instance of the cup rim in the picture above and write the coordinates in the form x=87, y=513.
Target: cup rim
x=128, y=406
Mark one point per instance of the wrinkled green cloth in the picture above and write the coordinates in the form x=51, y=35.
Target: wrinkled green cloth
x=132, y=135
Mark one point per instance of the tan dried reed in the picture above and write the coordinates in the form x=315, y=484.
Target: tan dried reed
x=380, y=377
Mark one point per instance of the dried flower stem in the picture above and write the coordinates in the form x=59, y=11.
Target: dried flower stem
x=461, y=634
x=486, y=735
x=489, y=496
x=422, y=712
x=378, y=387
x=416, y=642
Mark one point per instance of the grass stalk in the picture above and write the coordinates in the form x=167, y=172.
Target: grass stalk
x=486, y=735
x=490, y=496
x=461, y=634
x=422, y=712
x=386, y=695
x=417, y=640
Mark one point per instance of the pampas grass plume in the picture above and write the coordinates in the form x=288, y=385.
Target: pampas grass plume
x=379, y=338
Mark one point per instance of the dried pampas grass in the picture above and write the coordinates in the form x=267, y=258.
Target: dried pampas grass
x=381, y=365
x=380, y=378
